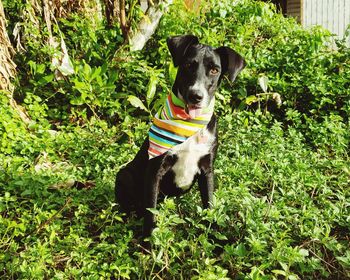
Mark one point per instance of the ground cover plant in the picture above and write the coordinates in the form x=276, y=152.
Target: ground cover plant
x=282, y=203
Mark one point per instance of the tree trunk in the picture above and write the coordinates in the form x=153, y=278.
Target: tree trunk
x=148, y=25
x=124, y=25
x=138, y=37
x=8, y=67
x=112, y=9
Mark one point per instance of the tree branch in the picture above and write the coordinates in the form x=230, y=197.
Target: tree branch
x=123, y=23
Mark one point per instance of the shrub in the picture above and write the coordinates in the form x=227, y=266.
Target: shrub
x=301, y=65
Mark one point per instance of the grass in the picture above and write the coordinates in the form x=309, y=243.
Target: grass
x=281, y=210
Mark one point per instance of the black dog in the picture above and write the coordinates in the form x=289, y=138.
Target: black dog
x=143, y=181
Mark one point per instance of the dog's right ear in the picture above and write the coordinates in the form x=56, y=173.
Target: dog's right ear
x=231, y=62
x=178, y=46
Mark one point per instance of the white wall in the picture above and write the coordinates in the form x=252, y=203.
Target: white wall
x=331, y=14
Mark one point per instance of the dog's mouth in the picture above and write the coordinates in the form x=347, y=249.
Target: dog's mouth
x=194, y=110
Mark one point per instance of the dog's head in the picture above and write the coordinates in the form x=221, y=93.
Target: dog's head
x=200, y=69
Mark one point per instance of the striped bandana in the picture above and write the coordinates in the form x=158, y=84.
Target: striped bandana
x=172, y=125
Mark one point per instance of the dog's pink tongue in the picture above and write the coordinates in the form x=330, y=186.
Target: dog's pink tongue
x=194, y=112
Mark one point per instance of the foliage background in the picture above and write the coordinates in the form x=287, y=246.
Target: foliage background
x=282, y=202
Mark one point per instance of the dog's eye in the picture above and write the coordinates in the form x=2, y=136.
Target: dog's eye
x=214, y=71
x=188, y=65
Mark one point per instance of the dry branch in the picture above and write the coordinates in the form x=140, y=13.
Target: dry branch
x=148, y=25
x=112, y=11
x=8, y=67
x=123, y=22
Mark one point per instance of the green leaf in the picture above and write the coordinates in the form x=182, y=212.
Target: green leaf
x=293, y=277
x=284, y=266
x=220, y=236
x=279, y=272
x=40, y=68
x=136, y=102
x=263, y=82
x=76, y=101
x=86, y=69
x=251, y=99
x=95, y=72
x=46, y=79
x=153, y=211
x=303, y=252
x=177, y=220
x=113, y=76
x=80, y=86
x=240, y=250
x=172, y=72
x=222, y=13
x=151, y=89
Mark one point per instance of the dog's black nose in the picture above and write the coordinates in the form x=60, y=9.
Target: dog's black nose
x=195, y=97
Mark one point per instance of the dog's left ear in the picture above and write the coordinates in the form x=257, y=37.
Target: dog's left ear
x=231, y=62
x=178, y=45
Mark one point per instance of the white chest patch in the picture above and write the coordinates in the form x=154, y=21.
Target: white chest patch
x=188, y=154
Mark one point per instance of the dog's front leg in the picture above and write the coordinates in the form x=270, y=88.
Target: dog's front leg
x=150, y=201
x=206, y=181
x=157, y=168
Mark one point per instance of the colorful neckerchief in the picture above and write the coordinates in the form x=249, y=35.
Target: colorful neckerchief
x=172, y=125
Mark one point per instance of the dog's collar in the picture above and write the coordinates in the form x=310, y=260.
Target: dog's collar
x=173, y=125
x=176, y=100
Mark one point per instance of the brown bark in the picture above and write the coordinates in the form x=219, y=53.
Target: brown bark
x=123, y=22
x=8, y=67
x=112, y=11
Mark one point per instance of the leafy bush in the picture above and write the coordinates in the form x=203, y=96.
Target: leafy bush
x=300, y=64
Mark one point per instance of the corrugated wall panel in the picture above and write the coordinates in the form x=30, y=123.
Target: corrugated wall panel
x=331, y=14
x=294, y=8
x=347, y=17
